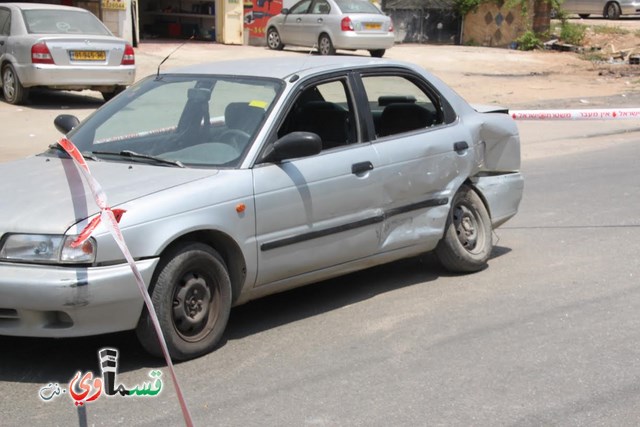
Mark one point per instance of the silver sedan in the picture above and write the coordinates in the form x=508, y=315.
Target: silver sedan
x=245, y=178
x=60, y=47
x=332, y=24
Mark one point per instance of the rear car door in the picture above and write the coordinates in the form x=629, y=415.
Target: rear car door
x=424, y=153
x=322, y=211
x=5, y=24
x=315, y=21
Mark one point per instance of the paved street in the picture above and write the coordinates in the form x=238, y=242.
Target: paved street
x=547, y=335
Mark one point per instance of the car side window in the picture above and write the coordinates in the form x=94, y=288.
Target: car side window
x=325, y=109
x=5, y=21
x=398, y=105
x=320, y=7
x=300, y=8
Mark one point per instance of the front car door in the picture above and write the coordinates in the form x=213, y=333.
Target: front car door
x=317, y=214
x=293, y=31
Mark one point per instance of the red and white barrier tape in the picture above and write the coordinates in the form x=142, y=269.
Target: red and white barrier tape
x=111, y=217
x=590, y=114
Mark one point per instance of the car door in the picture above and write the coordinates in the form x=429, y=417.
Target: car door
x=315, y=21
x=424, y=157
x=318, y=212
x=293, y=31
x=5, y=24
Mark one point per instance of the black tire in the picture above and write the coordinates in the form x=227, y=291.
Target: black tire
x=107, y=96
x=192, y=299
x=273, y=39
x=13, y=91
x=467, y=241
x=612, y=10
x=584, y=15
x=377, y=53
x=325, y=45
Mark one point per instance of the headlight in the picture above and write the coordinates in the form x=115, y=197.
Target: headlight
x=47, y=248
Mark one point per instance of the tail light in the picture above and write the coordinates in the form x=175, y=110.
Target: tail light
x=129, y=57
x=40, y=54
x=391, y=27
x=346, y=24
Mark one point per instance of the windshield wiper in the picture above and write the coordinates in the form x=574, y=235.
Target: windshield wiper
x=133, y=155
x=57, y=146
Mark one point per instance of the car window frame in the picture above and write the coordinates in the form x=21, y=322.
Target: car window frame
x=292, y=10
x=5, y=27
x=293, y=96
x=444, y=108
x=318, y=2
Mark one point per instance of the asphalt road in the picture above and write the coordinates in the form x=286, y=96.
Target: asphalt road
x=547, y=335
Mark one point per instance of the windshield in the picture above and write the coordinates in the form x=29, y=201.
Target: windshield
x=52, y=21
x=206, y=121
x=357, y=6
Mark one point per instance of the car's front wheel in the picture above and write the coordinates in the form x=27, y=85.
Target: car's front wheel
x=192, y=299
x=14, y=92
x=325, y=45
x=466, y=245
x=273, y=39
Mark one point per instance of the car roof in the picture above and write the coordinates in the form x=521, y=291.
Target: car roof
x=281, y=68
x=40, y=6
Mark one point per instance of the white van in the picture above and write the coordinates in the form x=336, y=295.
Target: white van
x=610, y=9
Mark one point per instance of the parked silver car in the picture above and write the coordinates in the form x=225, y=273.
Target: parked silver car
x=330, y=25
x=610, y=9
x=60, y=47
x=246, y=178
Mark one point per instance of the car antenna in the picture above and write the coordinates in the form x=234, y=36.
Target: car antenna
x=171, y=53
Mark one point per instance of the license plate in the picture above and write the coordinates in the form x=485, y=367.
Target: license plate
x=88, y=55
x=372, y=25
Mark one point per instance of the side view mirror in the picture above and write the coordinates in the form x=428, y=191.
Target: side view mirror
x=292, y=146
x=65, y=122
x=284, y=11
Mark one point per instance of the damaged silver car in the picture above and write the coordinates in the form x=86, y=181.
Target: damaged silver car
x=242, y=179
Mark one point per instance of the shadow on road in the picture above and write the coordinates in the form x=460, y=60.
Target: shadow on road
x=40, y=360
x=44, y=99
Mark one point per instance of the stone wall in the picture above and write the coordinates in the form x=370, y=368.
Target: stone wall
x=495, y=24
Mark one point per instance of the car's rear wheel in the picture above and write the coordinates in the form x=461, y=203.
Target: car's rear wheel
x=14, y=92
x=377, y=53
x=273, y=39
x=107, y=96
x=612, y=11
x=466, y=245
x=325, y=45
x=192, y=299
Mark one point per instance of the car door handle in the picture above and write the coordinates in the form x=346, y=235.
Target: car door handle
x=299, y=20
x=319, y=20
x=460, y=147
x=362, y=167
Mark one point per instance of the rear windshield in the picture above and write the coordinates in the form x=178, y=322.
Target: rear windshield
x=357, y=6
x=49, y=21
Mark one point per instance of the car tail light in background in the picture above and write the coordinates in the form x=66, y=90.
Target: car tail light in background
x=346, y=24
x=391, y=27
x=40, y=54
x=129, y=57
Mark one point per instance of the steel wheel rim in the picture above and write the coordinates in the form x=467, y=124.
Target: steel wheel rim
x=8, y=84
x=273, y=39
x=195, y=306
x=468, y=228
x=324, y=46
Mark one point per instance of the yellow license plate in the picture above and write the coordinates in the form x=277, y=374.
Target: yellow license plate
x=372, y=25
x=88, y=55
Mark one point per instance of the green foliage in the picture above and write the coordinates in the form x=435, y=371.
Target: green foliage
x=572, y=33
x=605, y=29
x=528, y=41
x=465, y=6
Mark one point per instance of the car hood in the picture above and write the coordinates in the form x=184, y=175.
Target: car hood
x=45, y=194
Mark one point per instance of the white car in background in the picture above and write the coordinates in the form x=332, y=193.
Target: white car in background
x=330, y=25
x=60, y=47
